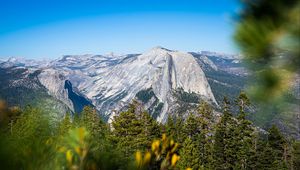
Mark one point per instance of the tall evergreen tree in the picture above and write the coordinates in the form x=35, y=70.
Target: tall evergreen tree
x=224, y=142
x=150, y=129
x=126, y=127
x=65, y=125
x=134, y=129
x=174, y=128
x=191, y=127
x=244, y=135
x=270, y=151
x=277, y=143
x=265, y=156
x=90, y=119
x=296, y=155
x=204, y=139
x=189, y=155
x=198, y=140
x=190, y=151
x=179, y=124
x=169, y=127
x=29, y=138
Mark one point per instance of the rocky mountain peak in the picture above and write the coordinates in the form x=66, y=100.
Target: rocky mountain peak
x=110, y=83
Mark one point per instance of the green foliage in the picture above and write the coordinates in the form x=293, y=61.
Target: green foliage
x=133, y=130
x=91, y=120
x=204, y=139
x=224, y=150
x=277, y=142
x=190, y=151
x=145, y=95
x=126, y=128
x=271, y=153
x=8, y=116
x=65, y=124
x=187, y=97
x=174, y=128
x=163, y=155
x=191, y=127
x=244, y=134
x=296, y=155
x=151, y=129
x=157, y=110
x=29, y=140
x=75, y=148
x=268, y=34
x=189, y=155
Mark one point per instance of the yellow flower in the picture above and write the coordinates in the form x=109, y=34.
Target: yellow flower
x=81, y=133
x=61, y=149
x=147, y=157
x=69, y=156
x=164, y=137
x=174, y=148
x=78, y=150
x=175, y=158
x=188, y=169
x=155, y=145
x=172, y=142
x=138, y=158
x=48, y=141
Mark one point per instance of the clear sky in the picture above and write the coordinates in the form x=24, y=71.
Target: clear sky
x=52, y=28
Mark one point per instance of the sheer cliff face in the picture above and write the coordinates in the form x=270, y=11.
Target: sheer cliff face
x=111, y=82
x=164, y=71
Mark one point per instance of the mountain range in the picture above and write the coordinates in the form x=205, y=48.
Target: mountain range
x=165, y=81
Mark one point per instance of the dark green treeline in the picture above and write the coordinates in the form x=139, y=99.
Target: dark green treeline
x=207, y=140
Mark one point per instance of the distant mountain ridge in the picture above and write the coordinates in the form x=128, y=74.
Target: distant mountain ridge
x=158, y=78
x=165, y=82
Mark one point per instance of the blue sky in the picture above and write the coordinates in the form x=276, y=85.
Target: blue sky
x=52, y=28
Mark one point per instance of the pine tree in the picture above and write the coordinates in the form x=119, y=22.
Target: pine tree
x=126, y=127
x=150, y=129
x=224, y=151
x=204, y=139
x=219, y=147
x=197, y=133
x=296, y=155
x=270, y=152
x=169, y=127
x=179, y=124
x=190, y=151
x=244, y=135
x=277, y=143
x=174, y=128
x=189, y=155
x=65, y=125
x=90, y=119
x=191, y=127
x=265, y=155
x=29, y=138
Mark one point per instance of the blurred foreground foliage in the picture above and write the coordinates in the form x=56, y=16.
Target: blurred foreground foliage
x=133, y=140
x=268, y=33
